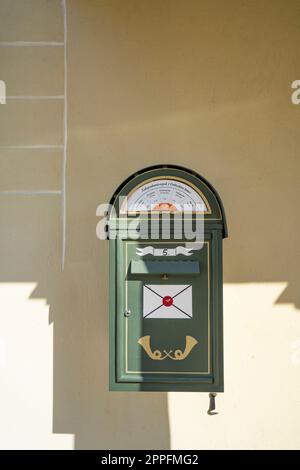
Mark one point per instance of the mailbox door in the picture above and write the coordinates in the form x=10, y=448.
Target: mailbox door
x=164, y=320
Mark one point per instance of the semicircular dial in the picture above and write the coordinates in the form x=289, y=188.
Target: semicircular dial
x=165, y=195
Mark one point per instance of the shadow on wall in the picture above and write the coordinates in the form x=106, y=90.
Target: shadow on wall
x=82, y=403
x=78, y=299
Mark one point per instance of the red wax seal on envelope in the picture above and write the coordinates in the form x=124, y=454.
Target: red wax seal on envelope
x=167, y=301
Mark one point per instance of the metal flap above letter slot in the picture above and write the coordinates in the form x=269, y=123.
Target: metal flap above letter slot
x=164, y=267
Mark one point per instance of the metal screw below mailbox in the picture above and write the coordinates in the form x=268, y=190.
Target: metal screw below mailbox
x=127, y=313
x=212, y=404
x=164, y=277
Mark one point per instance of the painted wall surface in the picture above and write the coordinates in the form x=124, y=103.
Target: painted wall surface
x=203, y=84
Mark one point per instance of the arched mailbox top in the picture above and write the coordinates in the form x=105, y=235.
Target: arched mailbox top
x=168, y=188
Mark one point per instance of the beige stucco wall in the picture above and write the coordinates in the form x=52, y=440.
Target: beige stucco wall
x=203, y=84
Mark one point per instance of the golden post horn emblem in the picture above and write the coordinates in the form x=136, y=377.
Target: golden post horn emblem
x=178, y=355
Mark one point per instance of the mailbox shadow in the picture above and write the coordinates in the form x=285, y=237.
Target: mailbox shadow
x=78, y=301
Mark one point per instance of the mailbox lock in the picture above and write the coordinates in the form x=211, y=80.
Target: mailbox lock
x=165, y=277
x=127, y=313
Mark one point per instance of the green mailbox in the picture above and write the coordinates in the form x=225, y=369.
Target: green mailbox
x=165, y=230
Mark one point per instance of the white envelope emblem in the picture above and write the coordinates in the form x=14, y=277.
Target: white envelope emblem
x=167, y=301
